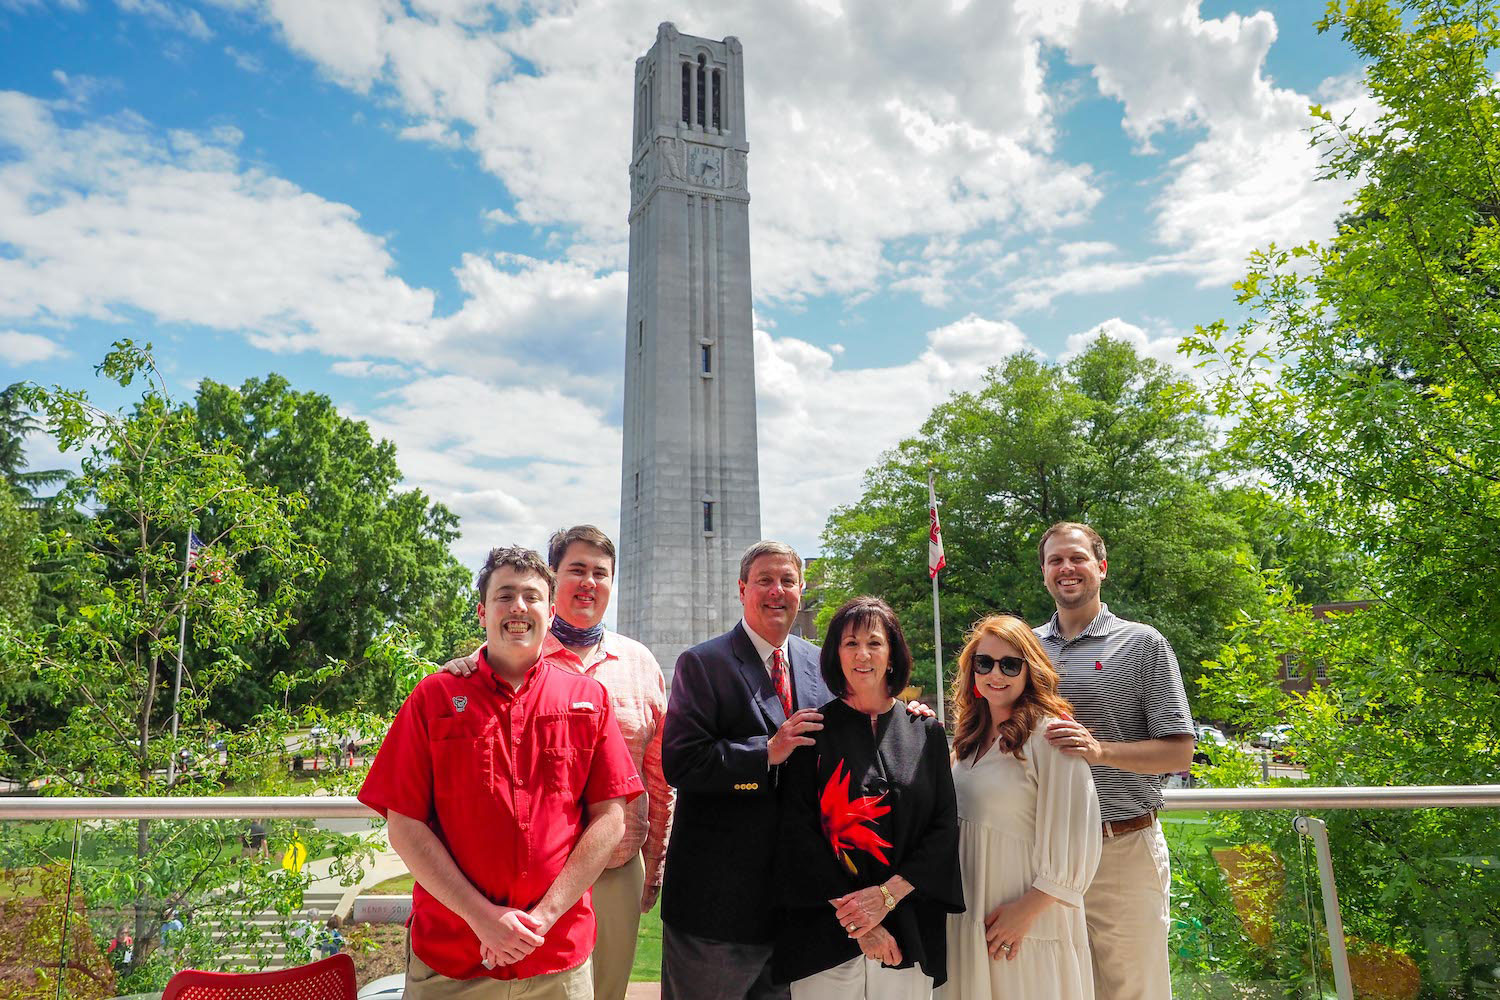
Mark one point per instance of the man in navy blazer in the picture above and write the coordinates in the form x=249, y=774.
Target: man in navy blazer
x=740, y=704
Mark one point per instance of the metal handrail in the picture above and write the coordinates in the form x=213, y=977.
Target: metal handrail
x=347, y=807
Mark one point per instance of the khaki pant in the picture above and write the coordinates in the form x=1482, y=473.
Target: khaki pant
x=423, y=984
x=617, y=913
x=1128, y=917
x=861, y=979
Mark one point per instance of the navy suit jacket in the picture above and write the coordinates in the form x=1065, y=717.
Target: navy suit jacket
x=721, y=714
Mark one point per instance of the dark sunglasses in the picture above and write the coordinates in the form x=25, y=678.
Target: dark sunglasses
x=1010, y=666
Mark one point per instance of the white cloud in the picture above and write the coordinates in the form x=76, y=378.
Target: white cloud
x=170, y=15
x=1073, y=253
x=1250, y=179
x=81, y=88
x=1040, y=290
x=244, y=60
x=499, y=217
x=821, y=427
x=515, y=463
x=113, y=216
x=24, y=348
x=368, y=369
x=21, y=5
x=1162, y=347
x=434, y=132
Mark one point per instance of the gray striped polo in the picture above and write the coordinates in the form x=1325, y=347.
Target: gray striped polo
x=1123, y=681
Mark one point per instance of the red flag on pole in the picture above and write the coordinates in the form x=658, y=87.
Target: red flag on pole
x=935, y=560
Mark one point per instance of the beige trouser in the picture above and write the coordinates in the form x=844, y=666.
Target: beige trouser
x=861, y=979
x=617, y=913
x=1127, y=915
x=423, y=984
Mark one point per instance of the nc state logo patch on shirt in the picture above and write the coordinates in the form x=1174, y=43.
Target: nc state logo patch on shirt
x=460, y=702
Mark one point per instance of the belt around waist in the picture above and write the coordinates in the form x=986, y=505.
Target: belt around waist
x=1120, y=827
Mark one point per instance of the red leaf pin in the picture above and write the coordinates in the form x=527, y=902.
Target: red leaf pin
x=850, y=823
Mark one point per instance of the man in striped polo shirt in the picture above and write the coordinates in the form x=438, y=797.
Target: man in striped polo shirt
x=1133, y=726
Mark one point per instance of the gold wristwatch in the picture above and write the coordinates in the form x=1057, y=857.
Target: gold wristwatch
x=890, y=901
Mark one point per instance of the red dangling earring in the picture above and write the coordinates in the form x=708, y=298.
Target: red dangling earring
x=977, y=693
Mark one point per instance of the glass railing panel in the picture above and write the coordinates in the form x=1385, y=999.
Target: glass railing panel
x=1418, y=897
x=43, y=922
x=1241, y=923
x=143, y=899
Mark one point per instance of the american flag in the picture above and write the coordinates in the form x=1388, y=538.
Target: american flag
x=195, y=545
x=935, y=559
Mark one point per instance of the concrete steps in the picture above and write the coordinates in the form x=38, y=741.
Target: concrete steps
x=272, y=944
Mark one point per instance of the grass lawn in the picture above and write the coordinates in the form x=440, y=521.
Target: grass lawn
x=1190, y=830
x=647, y=968
x=401, y=885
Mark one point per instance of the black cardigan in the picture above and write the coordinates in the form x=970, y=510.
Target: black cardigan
x=906, y=759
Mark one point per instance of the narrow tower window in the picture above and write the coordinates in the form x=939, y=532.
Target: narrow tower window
x=641, y=111
x=637, y=487
x=640, y=333
x=718, y=117
x=708, y=359
x=687, y=92
x=708, y=515
x=702, y=90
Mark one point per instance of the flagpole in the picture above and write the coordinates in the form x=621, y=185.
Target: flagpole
x=187, y=556
x=937, y=618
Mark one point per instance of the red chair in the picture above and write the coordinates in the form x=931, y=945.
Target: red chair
x=326, y=979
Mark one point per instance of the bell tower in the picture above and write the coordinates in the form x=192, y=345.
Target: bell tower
x=690, y=484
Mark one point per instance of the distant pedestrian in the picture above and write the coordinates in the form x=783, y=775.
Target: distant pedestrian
x=170, y=927
x=330, y=942
x=255, y=840
x=303, y=937
x=121, y=947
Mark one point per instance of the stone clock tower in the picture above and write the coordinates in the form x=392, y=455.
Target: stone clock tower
x=690, y=486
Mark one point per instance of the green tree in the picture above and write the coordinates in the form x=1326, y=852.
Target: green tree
x=384, y=549
x=110, y=656
x=18, y=535
x=1365, y=384
x=16, y=422
x=1110, y=438
x=35, y=494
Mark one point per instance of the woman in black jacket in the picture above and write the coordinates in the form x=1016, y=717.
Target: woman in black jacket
x=868, y=861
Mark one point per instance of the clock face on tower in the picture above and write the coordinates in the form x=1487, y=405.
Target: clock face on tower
x=705, y=166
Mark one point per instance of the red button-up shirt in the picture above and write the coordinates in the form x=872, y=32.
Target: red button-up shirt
x=503, y=779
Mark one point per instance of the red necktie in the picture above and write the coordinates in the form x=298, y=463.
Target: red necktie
x=778, y=678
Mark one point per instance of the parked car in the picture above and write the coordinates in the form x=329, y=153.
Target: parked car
x=1207, y=736
x=1274, y=738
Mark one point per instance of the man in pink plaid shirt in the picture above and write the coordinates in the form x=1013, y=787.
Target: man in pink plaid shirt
x=583, y=557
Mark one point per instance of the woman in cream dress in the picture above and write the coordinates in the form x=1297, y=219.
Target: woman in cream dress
x=1029, y=828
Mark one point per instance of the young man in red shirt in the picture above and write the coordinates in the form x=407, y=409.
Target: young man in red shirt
x=505, y=792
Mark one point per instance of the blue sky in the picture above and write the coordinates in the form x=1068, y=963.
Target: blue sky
x=419, y=207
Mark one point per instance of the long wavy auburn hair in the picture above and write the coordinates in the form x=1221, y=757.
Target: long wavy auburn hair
x=1040, y=699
